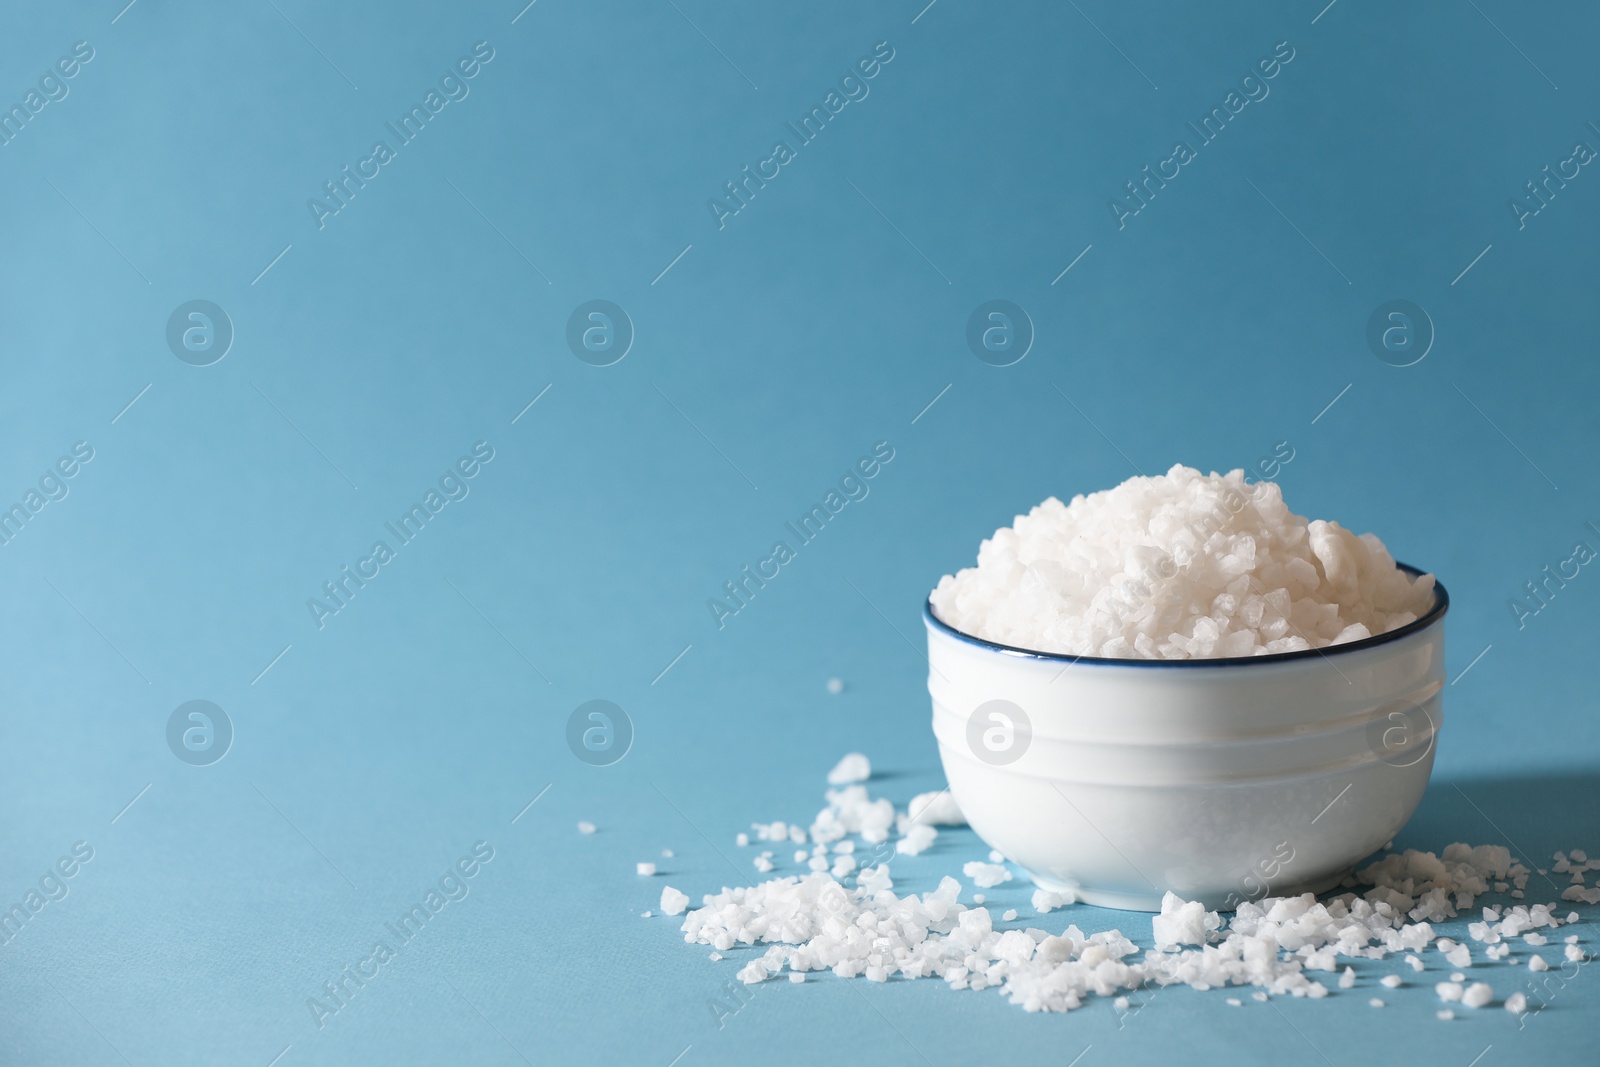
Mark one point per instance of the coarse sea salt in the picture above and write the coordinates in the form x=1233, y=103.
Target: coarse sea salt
x=1178, y=566
x=817, y=920
x=854, y=767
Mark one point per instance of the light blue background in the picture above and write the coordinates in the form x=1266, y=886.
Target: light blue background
x=824, y=317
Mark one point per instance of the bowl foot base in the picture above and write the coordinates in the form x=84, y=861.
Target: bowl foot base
x=1149, y=900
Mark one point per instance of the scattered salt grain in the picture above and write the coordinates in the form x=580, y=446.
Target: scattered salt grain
x=1178, y=566
x=835, y=686
x=936, y=809
x=715, y=956
x=1045, y=900
x=986, y=875
x=1235, y=1002
x=645, y=869
x=1458, y=977
x=817, y=919
x=672, y=901
x=1347, y=980
x=666, y=853
x=763, y=862
x=854, y=767
x=995, y=856
x=1445, y=1014
x=1120, y=1004
x=742, y=840
x=1182, y=922
x=646, y=914
x=1374, y=1003
x=916, y=840
x=586, y=827
x=1537, y=963
x=796, y=977
x=1516, y=1003
x=1574, y=953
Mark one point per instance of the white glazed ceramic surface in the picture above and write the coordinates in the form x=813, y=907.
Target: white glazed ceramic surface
x=1221, y=780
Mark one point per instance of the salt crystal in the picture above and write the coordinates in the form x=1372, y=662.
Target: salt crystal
x=1574, y=953
x=742, y=840
x=645, y=869
x=1445, y=1014
x=1182, y=922
x=986, y=875
x=936, y=809
x=645, y=914
x=1045, y=900
x=835, y=686
x=797, y=978
x=1235, y=1002
x=1374, y=1003
x=763, y=862
x=1347, y=980
x=1393, y=981
x=1449, y=992
x=995, y=856
x=1477, y=995
x=1416, y=964
x=854, y=767
x=978, y=898
x=586, y=827
x=1178, y=566
x=1458, y=977
x=1516, y=1003
x=1537, y=963
x=666, y=853
x=916, y=840
x=1010, y=915
x=672, y=901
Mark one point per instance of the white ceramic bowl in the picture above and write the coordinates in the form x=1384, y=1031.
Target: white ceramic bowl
x=1222, y=780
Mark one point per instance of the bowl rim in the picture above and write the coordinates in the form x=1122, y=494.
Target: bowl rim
x=1434, y=615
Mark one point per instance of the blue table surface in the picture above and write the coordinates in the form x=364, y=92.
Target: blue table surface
x=350, y=358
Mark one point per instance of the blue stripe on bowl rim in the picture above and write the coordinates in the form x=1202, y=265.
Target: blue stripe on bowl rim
x=1441, y=604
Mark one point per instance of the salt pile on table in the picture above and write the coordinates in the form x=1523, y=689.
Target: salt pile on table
x=1181, y=565
x=817, y=920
